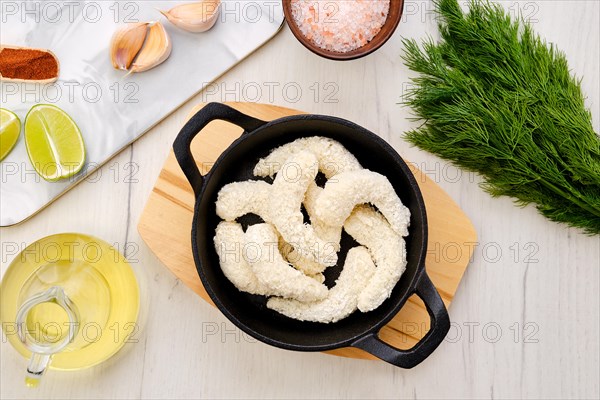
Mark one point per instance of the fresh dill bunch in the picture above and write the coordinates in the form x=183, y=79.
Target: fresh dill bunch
x=496, y=99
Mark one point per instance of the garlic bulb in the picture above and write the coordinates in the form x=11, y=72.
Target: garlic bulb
x=138, y=47
x=155, y=51
x=194, y=17
x=126, y=44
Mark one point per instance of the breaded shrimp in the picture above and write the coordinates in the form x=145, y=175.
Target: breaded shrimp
x=330, y=234
x=388, y=249
x=318, y=277
x=332, y=156
x=240, y=198
x=297, y=260
x=343, y=297
x=285, y=211
x=271, y=269
x=229, y=242
x=252, y=197
x=349, y=189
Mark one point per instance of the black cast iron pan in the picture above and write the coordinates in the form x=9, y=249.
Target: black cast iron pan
x=249, y=312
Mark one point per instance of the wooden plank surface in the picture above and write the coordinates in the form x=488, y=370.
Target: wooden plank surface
x=166, y=223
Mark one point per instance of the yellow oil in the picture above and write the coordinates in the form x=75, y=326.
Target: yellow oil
x=98, y=281
x=31, y=383
x=45, y=321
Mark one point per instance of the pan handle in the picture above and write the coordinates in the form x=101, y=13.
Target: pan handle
x=440, y=324
x=210, y=112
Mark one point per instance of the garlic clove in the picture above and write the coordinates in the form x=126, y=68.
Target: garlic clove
x=156, y=49
x=194, y=17
x=126, y=44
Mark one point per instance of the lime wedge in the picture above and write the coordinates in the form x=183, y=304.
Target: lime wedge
x=10, y=128
x=53, y=142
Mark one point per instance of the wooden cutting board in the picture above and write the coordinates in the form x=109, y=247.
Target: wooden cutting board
x=166, y=223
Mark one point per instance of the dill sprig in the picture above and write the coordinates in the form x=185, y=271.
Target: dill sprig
x=496, y=99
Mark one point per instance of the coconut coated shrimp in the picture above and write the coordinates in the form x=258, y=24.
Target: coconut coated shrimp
x=331, y=234
x=342, y=299
x=294, y=257
x=252, y=197
x=288, y=191
x=369, y=228
x=273, y=271
x=332, y=156
x=240, y=198
x=229, y=242
x=349, y=189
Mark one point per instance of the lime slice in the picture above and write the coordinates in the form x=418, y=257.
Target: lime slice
x=10, y=128
x=53, y=142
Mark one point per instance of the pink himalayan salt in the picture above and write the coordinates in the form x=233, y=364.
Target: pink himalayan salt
x=342, y=25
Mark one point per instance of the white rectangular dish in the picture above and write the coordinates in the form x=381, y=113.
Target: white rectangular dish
x=112, y=109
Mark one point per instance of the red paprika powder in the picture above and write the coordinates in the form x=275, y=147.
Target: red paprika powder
x=27, y=64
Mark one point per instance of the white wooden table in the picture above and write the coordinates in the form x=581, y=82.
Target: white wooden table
x=525, y=318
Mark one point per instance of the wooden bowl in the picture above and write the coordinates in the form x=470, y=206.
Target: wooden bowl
x=393, y=19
